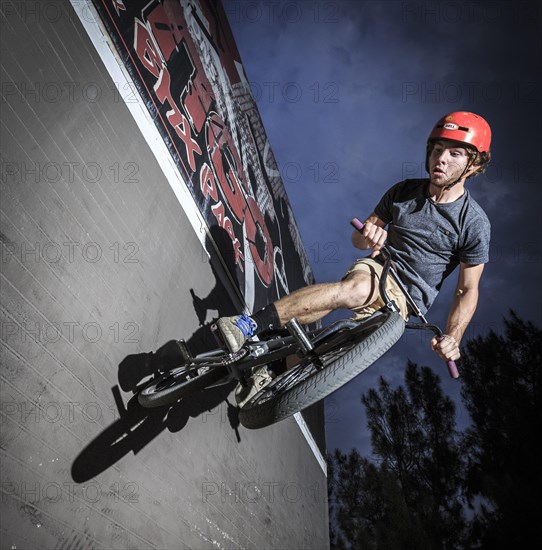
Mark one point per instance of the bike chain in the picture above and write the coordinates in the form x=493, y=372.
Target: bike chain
x=234, y=357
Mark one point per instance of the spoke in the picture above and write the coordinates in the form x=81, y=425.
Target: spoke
x=299, y=374
x=287, y=380
x=176, y=377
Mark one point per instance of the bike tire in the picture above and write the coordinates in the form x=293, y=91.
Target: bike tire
x=174, y=384
x=281, y=399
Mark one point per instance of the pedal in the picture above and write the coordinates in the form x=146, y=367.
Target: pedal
x=300, y=336
x=186, y=356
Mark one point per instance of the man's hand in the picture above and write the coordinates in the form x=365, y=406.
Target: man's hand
x=448, y=348
x=375, y=236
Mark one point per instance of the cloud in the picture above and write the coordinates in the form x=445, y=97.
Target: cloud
x=374, y=77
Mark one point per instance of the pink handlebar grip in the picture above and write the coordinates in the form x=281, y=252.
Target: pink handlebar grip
x=357, y=224
x=452, y=367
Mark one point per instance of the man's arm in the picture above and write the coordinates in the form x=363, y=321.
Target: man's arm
x=461, y=312
x=373, y=236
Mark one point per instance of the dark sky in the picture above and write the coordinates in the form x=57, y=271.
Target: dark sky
x=348, y=92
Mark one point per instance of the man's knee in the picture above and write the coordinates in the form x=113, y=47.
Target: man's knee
x=359, y=289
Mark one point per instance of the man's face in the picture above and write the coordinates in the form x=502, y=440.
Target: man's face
x=447, y=163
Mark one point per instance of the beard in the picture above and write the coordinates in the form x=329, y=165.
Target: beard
x=443, y=179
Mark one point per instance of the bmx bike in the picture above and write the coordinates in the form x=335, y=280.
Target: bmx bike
x=327, y=359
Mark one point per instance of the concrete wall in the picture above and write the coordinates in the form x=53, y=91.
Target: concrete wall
x=100, y=266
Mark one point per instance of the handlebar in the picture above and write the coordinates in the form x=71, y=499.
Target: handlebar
x=452, y=367
x=357, y=224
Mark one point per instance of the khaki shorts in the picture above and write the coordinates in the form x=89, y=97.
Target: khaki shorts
x=392, y=288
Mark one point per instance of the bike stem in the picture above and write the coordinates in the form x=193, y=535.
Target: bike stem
x=390, y=304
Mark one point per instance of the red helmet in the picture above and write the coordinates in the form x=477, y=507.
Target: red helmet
x=464, y=127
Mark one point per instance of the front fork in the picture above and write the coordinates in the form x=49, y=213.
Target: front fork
x=305, y=345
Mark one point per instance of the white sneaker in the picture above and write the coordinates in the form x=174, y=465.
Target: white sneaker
x=259, y=379
x=236, y=330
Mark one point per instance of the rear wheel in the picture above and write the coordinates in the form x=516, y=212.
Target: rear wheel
x=340, y=359
x=178, y=382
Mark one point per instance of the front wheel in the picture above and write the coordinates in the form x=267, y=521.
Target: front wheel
x=308, y=383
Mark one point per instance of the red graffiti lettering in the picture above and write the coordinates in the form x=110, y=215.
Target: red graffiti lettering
x=207, y=182
x=171, y=34
x=237, y=254
x=225, y=163
x=220, y=37
x=145, y=50
x=172, y=38
x=226, y=224
x=226, y=166
x=166, y=26
x=258, y=237
x=191, y=114
x=119, y=5
x=176, y=118
x=197, y=102
x=219, y=212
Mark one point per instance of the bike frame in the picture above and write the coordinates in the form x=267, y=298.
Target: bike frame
x=290, y=341
x=316, y=349
x=295, y=339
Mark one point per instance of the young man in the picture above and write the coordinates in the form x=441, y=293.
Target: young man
x=434, y=225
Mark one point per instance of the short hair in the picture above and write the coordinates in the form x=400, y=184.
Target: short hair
x=478, y=158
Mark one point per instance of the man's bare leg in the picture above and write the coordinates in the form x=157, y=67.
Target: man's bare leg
x=311, y=303
x=307, y=305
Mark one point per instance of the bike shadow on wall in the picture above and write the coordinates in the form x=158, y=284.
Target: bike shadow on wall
x=137, y=426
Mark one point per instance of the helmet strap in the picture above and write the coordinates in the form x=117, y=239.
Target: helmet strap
x=467, y=168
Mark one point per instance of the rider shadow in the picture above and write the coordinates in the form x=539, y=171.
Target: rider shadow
x=137, y=426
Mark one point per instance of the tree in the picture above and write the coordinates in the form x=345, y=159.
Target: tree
x=411, y=497
x=502, y=385
x=425, y=476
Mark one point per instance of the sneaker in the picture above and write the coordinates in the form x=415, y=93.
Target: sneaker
x=236, y=330
x=259, y=379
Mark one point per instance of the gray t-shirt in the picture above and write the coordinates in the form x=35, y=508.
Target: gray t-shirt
x=428, y=240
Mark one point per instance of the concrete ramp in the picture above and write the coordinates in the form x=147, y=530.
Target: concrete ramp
x=101, y=269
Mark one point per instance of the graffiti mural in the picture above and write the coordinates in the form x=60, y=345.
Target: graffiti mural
x=182, y=58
